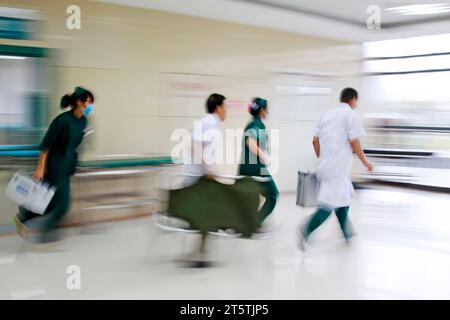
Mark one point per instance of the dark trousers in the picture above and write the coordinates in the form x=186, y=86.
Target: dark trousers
x=57, y=208
x=322, y=214
x=270, y=193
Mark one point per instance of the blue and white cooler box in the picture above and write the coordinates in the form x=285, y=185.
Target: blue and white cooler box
x=33, y=195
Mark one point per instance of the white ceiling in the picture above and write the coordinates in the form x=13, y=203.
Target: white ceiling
x=343, y=20
x=354, y=11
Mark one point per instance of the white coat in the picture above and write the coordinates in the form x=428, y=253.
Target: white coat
x=205, y=138
x=335, y=129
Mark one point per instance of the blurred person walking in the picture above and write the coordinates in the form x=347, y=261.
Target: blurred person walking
x=254, y=158
x=336, y=136
x=204, y=143
x=57, y=163
x=203, y=160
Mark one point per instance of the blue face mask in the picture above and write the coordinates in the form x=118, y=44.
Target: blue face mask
x=88, y=109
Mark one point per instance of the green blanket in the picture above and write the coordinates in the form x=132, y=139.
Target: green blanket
x=209, y=205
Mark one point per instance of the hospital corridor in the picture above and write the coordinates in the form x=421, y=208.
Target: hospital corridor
x=224, y=150
x=398, y=255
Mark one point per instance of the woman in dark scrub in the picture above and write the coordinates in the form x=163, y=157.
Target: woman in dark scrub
x=254, y=156
x=57, y=162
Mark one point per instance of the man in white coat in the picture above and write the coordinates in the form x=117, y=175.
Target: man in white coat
x=336, y=137
x=205, y=146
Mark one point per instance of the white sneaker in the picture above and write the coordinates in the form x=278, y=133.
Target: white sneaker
x=349, y=241
x=301, y=241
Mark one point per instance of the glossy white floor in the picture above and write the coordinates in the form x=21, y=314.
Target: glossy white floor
x=402, y=252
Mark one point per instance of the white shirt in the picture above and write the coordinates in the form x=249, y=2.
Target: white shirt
x=335, y=129
x=205, y=133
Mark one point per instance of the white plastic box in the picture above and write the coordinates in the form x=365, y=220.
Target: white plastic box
x=33, y=195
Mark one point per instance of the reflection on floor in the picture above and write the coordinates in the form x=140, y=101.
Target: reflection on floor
x=402, y=252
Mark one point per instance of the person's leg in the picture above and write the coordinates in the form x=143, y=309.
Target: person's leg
x=202, y=249
x=270, y=193
x=342, y=215
x=199, y=258
x=24, y=215
x=22, y=219
x=315, y=221
x=57, y=208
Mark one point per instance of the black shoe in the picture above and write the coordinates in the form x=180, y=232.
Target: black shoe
x=195, y=261
x=200, y=264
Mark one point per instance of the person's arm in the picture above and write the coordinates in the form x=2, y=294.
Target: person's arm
x=40, y=168
x=356, y=146
x=316, y=145
x=47, y=143
x=253, y=147
x=355, y=132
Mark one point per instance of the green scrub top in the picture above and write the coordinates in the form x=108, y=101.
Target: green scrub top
x=61, y=141
x=250, y=164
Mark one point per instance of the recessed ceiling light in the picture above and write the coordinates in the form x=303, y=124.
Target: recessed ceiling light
x=418, y=9
x=12, y=57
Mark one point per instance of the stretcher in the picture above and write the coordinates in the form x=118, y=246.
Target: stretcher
x=210, y=206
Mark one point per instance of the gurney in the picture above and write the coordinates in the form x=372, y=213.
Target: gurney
x=209, y=206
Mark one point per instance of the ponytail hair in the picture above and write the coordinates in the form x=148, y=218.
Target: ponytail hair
x=65, y=101
x=70, y=100
x=256, y=106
